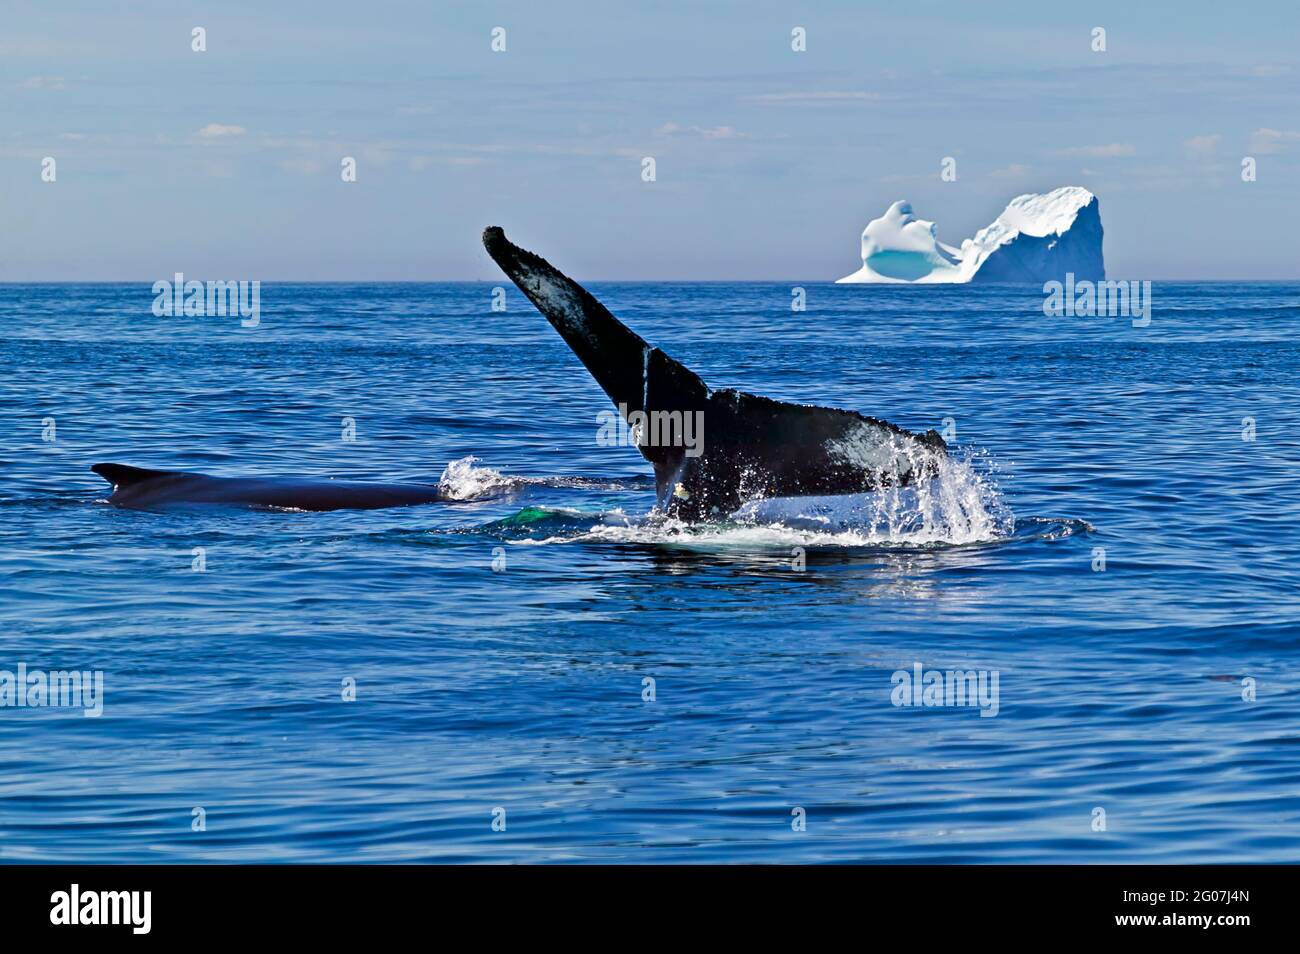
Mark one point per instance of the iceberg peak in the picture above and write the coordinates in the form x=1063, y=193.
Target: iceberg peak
x=1037, y=238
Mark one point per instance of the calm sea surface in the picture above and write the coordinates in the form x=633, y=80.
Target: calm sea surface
x=520, y=694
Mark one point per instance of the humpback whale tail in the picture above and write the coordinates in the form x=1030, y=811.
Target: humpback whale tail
x=752, y=447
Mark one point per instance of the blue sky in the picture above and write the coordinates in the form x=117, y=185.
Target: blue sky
x=225, y=164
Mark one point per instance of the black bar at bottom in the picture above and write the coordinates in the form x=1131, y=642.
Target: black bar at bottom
x=336, y=903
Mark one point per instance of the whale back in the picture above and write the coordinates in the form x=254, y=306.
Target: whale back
x=140, y=487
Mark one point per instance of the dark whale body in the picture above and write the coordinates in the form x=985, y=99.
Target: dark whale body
x=752, y=446
x=138, y=488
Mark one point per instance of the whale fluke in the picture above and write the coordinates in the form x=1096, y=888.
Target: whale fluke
x=751, y=446
x=623, y=363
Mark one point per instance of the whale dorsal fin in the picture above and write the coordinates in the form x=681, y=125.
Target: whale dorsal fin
x=123, y=475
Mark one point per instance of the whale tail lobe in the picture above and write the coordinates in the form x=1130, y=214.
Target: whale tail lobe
x=632, y=372
x=636, y=376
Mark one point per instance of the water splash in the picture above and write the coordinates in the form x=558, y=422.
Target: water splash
x=463, y=480
x=539, y=526
x=959, y=504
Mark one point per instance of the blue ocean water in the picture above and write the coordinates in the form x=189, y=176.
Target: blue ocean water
x=519, y=693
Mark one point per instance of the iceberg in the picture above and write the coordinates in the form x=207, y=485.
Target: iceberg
x=1037, y=238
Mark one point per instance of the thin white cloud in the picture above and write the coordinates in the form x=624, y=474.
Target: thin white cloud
x=219, y=131
x=1267, y=141
x=301, y=167
x=377, y=155
x=1108, y=151
x=714, y=132
x=42, y=82
x=1203, y=145
x=825, y=97
x=1016, y=170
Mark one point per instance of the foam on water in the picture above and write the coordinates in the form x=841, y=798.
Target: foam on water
x=960, y=505
x=463, y=480
x=957, y=506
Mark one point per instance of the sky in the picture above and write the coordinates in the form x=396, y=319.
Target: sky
x=226, y=163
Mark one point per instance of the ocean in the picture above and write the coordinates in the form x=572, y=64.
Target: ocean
x=536, y=672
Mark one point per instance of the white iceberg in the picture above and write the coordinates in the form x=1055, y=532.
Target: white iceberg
x=1037, y=238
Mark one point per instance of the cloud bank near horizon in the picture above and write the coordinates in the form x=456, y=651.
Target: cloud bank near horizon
x=768, y=159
